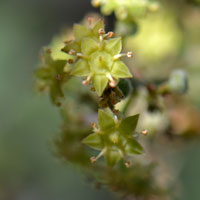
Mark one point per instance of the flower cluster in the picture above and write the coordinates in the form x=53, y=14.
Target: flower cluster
x=126, y=9
x=114, y=138
x=97, y=56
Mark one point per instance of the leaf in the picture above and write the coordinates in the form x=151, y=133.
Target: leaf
x=128, y=125
x=100, y=82
x=133, y=147
x=114, y=46
x=112, y=157
x=120, y=70
x=80, y=68
x=81, y=31
x=88, y=46
x=94, y=141
x=105, y=121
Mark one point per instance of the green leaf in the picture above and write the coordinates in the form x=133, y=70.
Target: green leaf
x=100, y=82
x=105, y=121
x=80, y=68
x=120, y=70
x=133, y=147
x=114, y=46
x=88, y=46
x=128, y=125
x=112, y=156
x=94, y=141
x=81, y=31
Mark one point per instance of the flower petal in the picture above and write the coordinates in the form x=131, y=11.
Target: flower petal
x=81, y=31
x=100, y=82
x=105, y=121
x=133, y=147
x=128, y=125
x=80, y=68
x=120, y=70
x=88, y=46
x=114, y=46
x=94, y=141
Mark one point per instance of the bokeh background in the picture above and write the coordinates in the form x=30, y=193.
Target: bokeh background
x=28, y=121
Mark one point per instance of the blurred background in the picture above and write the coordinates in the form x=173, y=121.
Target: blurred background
x=28, y=122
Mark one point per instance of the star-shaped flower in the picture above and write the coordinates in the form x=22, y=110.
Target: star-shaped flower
x=114, y=138
x=98, y=56
x=52, y=75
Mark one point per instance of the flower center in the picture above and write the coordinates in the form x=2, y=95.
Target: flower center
x=100, y=62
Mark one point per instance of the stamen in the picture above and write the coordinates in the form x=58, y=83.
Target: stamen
x=70, y=61
x=72, y=52
x=80, y=55
x=101, y=31
x=118, y=56
x=145, y=132
x=112, y=82
x=87, y=81
x=48, y=51
x=128, y=164
x=93, y=125
x=129, y=54
x=94, y=159
x=108, y=35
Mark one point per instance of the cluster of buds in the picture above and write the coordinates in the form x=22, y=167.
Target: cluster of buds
x=114, y=138
x=97, y=56
x=126, y=9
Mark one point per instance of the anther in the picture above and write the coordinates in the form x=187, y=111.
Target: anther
x=128, y=164
x=145, y=132
x=58, y=77
x=101, y=31
x=129, y=54
x=93, y=125
x=80, y=55
x=70, y=61
x=112, y=82
x=86, y=81
x=108, y=35
x=67, y=41
x=72, y=52
x=118, y=56
x=93, y=160
x=48, y=51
